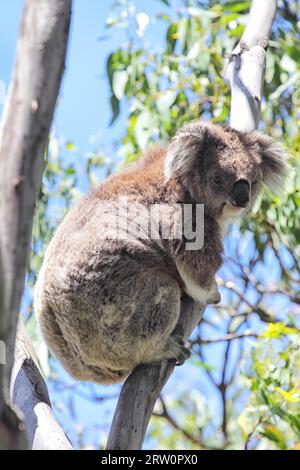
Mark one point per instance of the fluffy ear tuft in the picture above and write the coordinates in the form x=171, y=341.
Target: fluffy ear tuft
x=274, y=161
x=184, y=149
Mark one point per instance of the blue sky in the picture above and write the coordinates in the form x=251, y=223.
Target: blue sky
x=83, y=109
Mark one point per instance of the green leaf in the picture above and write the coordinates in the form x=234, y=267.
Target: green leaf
x=288, y=395
x=274, y=434
x=119, y=81
x=172, y=36
x=115, y=106
x=202, y=364
x=166, y=99
x=237, y=7
x=70, y=171
x=145, y=126
x=275, y=330
x=70, y=146
x=201, y=12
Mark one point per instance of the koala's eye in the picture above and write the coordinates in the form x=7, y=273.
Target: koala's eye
x=217, y=179
x=254, y=183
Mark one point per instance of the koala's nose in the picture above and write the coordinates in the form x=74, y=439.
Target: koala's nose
x=240, y=195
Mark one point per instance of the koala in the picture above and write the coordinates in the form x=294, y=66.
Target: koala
x=106, y=304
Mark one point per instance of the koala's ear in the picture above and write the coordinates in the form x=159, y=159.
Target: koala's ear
x=184, y=149
x=275, y=164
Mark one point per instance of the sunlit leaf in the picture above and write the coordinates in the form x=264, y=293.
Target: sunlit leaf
x=119, y=81
x=166, y=100
x=274, y=434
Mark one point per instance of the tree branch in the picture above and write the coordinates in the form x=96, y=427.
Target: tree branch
x=172, y=422
x=24, y=130
x=29, y=393
x=142, y=388
x=245, y=69
x=226, y=338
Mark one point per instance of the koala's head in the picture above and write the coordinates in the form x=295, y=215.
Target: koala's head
x=224, y=168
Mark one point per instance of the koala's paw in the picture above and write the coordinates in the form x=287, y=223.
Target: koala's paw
x=214, y=297
x=183, y=355
x=177, y=350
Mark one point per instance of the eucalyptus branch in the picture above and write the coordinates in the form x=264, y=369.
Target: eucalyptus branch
x=227, y=338
x=29, y=393
x=172, y=422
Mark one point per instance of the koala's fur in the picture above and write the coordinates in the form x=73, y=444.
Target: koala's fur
x=105, y=306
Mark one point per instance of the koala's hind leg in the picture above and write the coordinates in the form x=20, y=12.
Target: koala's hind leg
x=155, y=319
x=70, y=356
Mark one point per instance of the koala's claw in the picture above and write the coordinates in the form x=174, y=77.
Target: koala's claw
x=176, y=350
x=183, y=355
x=183, y=352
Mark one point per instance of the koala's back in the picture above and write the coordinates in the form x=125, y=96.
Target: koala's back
x=95, y=297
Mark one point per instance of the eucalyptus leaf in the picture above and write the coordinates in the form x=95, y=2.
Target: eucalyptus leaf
x=119, y=81
x=166, y=100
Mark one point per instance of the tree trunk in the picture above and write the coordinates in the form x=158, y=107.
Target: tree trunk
x=24, y=131
x=245, y=68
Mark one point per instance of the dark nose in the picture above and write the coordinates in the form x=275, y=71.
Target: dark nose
x=240, y=195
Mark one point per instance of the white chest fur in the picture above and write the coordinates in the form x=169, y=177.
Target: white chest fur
x=198, y=293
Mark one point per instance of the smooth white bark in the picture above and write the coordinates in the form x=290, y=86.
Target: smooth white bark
x=245, y=69
x=29, y=393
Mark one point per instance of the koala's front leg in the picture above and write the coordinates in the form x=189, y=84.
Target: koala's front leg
x=214, y=294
